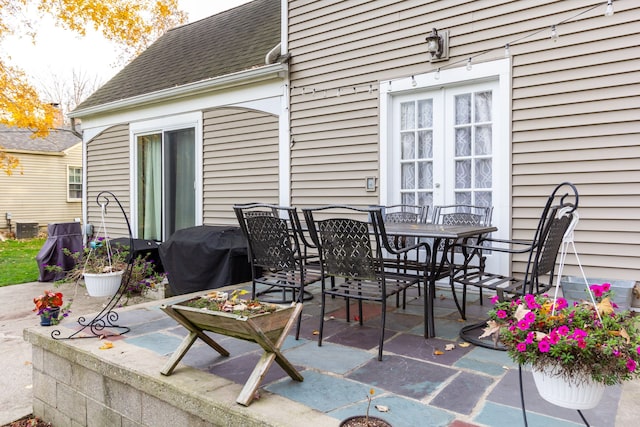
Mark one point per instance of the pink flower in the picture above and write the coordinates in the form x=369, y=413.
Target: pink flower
x=495, y=299
x=521, y=347
x=597, y=290
x=561, y=303
x=582, y=343
x=578, y=334
x=501, y=314
x=529, y=339
x=631, y=365
x=606, y=287
x=554, y=337
x=531, y=302
x=564, y=331
x=523, y=324
x=544, y=346
x=530, y=317
x=638, y=350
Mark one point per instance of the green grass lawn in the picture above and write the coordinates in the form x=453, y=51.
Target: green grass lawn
x=18, y=261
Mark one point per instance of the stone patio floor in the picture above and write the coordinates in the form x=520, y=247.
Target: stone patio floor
x=421, y=382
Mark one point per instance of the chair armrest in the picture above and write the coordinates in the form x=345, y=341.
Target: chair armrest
x=514, y=246
x=407, y=249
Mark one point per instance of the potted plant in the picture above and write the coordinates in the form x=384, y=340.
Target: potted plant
x=586, y=343
x=49, y=307
x=144, y=277
x=102, y=265
x=365, y=420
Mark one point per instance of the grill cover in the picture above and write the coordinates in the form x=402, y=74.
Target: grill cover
x=61, y=235
x=205, y=257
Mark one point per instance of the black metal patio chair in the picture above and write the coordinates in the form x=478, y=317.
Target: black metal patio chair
x=351, y=242
x=274, y=249
x=462, y=214
x=540, y=255
x=404, y=214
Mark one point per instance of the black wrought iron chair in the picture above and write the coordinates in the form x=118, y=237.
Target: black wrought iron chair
x=351, y=253
x=462, y=214
x=404, y=214
x=273, y=240
x=540, y=255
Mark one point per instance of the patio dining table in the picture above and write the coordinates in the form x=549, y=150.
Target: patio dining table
x=434, y=267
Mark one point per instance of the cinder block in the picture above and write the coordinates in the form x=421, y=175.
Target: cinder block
x=58, y=367
x=71, y=403
x=37, y=357
x=38, y=407
x=44, y=387
x=55, y=417
x=88, y=382
x=99, y=415
x=123, y=399
x=155, y=412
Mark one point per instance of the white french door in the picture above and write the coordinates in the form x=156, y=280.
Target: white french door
x=446, y=148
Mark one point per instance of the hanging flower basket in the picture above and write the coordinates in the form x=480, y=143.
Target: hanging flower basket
x=103, y=284
x=572, y=393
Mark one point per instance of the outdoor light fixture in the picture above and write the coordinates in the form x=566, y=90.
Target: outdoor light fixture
x=438, y=45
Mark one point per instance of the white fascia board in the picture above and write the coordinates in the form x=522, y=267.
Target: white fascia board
x=262, y=96
x=189, y=90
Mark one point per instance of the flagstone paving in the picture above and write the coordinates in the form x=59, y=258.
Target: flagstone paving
x=418, y=380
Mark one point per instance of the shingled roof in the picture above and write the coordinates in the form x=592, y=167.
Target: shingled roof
x=232, y=41
x=58, y=140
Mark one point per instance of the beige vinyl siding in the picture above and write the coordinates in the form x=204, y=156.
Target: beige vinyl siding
x=240, y=161
x=575, y=104
x=108, y=170
x=36, y=192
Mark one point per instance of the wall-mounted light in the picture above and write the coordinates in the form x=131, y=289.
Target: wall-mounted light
x=438, y=45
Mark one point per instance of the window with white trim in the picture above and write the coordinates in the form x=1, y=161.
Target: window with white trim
x=74, y=184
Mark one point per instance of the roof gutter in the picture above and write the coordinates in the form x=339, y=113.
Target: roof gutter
x=217, y=83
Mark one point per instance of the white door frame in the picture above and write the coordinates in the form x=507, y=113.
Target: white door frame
x=500, y=71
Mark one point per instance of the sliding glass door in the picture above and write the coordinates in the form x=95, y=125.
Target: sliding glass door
x=166, y=183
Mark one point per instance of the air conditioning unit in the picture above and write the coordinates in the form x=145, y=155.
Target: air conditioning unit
x=26, y=230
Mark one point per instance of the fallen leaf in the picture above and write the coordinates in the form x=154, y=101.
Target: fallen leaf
x=449, y=347
x=492, y=328
x=464, y=344
x=605, y=306
x=521, y=311
x=27, y=363
x=356, y=318
x=382, y=408
x=316, y=332
x=438, y=352
x=106, y=346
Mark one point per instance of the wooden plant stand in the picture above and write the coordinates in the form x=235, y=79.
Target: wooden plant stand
x=268, y=330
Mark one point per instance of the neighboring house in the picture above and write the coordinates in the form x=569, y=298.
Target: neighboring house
x=47, y=186
x=508, y=113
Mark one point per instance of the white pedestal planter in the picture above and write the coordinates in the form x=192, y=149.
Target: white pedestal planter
x=103, y=284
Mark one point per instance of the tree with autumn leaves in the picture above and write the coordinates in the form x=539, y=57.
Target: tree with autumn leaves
x=131, y=24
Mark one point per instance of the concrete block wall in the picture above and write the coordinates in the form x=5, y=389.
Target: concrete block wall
x=69, y=394
x=75, y=384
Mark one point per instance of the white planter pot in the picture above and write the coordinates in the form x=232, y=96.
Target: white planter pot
x=103, y=284
x=572, y=393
